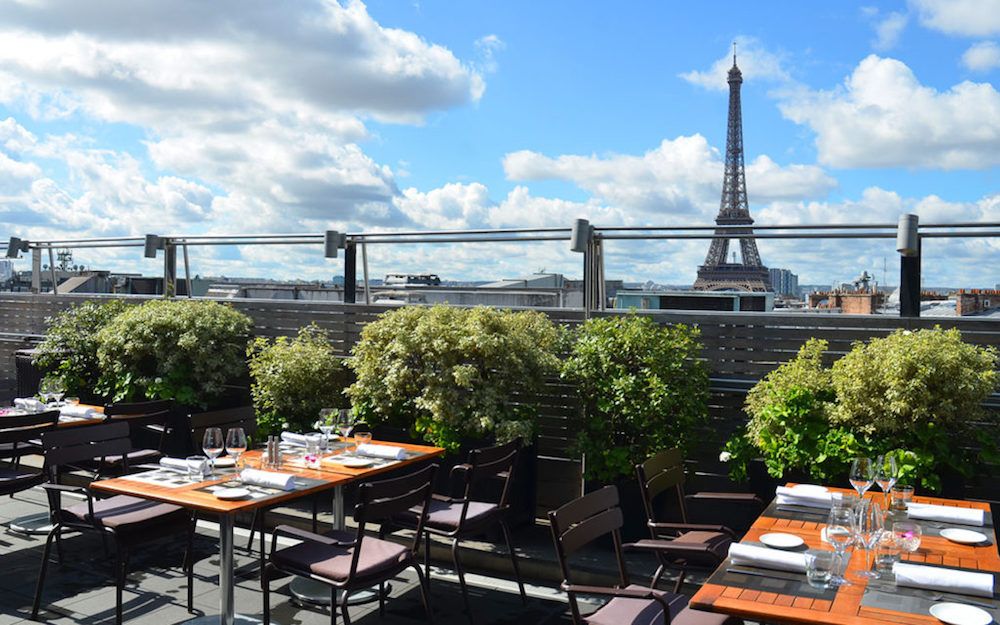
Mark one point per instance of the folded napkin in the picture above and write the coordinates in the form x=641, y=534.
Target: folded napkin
x=381, y=451
x=268, y=479
x=297, y=440
x=810, y=497
x=29, y=404
x=752, y=555
x=76, y=410
x=947, y=514
x=174, y=464
x=947, y=580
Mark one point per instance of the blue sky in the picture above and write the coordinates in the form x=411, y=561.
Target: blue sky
x=121, y=118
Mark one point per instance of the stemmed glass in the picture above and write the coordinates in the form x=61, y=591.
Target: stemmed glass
x=870, y=524
x=862, y=475
x=50, y=389
x=326, y=423
x=236, y=444
x=839, y=532
x=345, y=423
x=212, y=445
x=887, y=473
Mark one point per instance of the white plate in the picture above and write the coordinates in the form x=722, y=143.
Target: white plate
x=232, y=493
x=225, y=461
x=351, y=462
x=968, y=537
x=960, y=614
x=782, y=541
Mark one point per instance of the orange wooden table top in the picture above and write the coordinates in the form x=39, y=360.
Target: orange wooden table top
x=843, y=605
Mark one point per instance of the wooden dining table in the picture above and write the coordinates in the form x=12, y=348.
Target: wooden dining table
x=782, y=597
x=159, y=485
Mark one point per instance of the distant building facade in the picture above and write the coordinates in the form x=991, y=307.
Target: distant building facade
x=784, y=282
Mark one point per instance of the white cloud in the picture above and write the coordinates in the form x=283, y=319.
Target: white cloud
x=754, y=61
x=883, y=117
x=970, y=18
x=488, y=47
x=679, y=181
x=889, y=30
x=982, y=57
x=453, y=206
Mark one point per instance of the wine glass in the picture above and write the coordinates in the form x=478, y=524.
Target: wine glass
x=870, y=524
x=326, y=423
x=862, y=475
x=839, y=532
x=886, y=475
x=236, y=443
x=212, y=445
x=48, y=388
x=345, y=423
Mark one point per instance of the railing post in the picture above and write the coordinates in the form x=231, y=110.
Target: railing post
x=908, y=245
x=169, y=269
x=350, y=273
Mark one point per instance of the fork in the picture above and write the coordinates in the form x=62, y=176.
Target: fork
x=940, y=597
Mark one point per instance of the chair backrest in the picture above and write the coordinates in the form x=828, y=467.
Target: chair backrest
x=489, y=463
x=660, y=474
x=582, y=521
x=17, y=431
x=147, y=421
x=82, y=444
x=243, y=416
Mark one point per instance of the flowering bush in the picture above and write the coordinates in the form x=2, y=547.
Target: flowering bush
x=447, y=373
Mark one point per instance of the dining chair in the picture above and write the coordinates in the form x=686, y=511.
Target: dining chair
x=130, y=521
x=348, y=561
x=472, y=513
x=16, y=448
x=597, y=515
x=148, y=423
x=683, y=546
x=20, y=436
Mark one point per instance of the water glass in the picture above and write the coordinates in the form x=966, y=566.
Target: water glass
x=362, y=438
x=819, y=568
x=907, y=534
x=901, y=496
x=311, y=457
x=887, y=552
x=197, y=467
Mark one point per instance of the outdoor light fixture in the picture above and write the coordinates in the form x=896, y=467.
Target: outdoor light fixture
x=580, y=235
x=332, y=240
x=907, y=242
x=153, y=243
x=15, y=247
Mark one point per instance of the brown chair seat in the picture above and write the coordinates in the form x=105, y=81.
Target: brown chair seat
x=16, y=479
x=641, y=611
x=334, y=561
x=121, y=511
x=447, y=516
x=707, y=548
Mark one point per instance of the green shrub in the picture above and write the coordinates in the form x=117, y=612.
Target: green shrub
x=642, y=387
x=189, y=350
x=914, y=394
x=70, y=344
x=293, y=379
x=447, y=374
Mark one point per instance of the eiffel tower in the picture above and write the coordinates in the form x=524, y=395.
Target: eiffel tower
x=717, y=274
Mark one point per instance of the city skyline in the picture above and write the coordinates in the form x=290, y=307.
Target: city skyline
x=122, y=118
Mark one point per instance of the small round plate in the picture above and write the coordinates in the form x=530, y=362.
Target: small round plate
x=232, y=493
x=351, y=462
x=782, y=541
x=225, y=461
x=960, y=614
x=967, y=537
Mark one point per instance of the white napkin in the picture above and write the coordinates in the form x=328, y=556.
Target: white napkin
x=268, y=479
x=947, y=514
x=174, y=464
x=810, y=497
x=765, y=557
x=29, y=404
x=381, y=451
x=76, y=410
x=297, y=440
x=947, y=580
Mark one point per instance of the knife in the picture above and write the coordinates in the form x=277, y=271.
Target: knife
x=764, y=574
